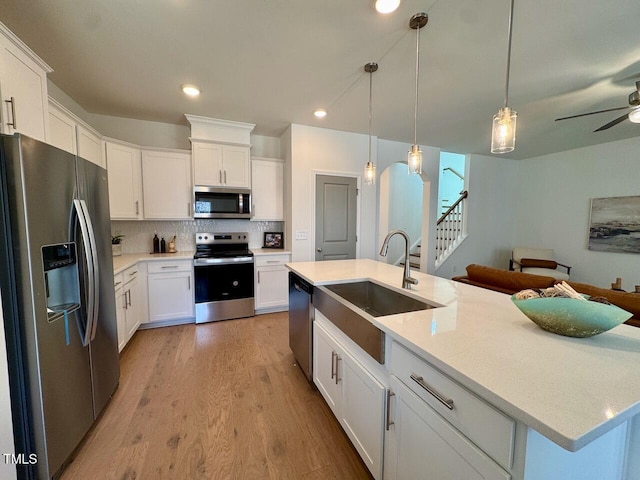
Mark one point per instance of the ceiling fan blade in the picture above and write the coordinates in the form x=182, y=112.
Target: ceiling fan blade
x=613, y=123
x=592, y=113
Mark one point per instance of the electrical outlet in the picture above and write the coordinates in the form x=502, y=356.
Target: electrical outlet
x=301, y=234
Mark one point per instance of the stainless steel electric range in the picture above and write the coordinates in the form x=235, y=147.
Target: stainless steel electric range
x=223, y=266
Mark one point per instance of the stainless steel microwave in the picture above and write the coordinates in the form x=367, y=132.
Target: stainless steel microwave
x=214, y=202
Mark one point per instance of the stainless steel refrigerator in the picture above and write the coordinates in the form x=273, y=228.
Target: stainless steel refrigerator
x=56, y=275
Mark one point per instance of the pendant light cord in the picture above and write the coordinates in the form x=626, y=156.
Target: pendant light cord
x=370, y=103
x=415, y=115
x=506, y=88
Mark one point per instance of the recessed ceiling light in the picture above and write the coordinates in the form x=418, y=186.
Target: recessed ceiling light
x=320, y=113
x=387, y=6
x=191, y=90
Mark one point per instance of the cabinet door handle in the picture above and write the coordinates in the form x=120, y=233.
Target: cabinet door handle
x=137, y=208
x=337, y=368
x=13, y=112
x=389, y=395
x=225, y=177
x=447, y=402
x=188, y=283
x=220, y=175
x=188, y=208
x=333, y=372
x=258, y=276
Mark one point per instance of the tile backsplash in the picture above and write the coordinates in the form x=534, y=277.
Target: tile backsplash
x=138, y=235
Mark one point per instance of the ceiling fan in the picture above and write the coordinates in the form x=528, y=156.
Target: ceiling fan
x=633, y=115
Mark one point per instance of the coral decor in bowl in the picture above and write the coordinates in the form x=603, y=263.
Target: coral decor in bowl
x=572, y=317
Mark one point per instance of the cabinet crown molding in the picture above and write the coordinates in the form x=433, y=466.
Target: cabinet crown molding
x=218, y=130
x=25, y=49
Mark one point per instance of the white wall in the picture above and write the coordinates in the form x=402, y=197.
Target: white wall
x=403, y=210
x=317, y=150
x=491, y=216
x=554, y=198
x=7, y=471
x=396, y=152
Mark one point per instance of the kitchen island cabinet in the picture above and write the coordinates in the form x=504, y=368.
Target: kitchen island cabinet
x=555, y=409
x=355, y=396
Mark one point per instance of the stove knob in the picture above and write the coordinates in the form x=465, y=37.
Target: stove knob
x=235, y=283
x=199, y=237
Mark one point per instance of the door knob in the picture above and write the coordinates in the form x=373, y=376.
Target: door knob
x=318, y=249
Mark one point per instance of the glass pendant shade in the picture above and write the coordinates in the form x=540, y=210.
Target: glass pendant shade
x=503, y=133
x=414, y=160
x=369, y=174
x=634, y=115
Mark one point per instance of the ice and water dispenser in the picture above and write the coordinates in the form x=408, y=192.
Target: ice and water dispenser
x=61, y=282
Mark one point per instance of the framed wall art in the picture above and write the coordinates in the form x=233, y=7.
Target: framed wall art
x=273, y=240
x=614, y=225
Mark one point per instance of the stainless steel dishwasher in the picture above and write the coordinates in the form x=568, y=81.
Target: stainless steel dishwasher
x=301, y=323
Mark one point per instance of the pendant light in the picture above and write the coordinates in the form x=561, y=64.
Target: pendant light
x=370, y=168
x=414, y=157
x=503, y=132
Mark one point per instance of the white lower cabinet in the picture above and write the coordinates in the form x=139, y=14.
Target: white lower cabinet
x=355, y=396
x=129, y=304
x=171, y=290
x=271, y=283
x=421, y=444
x=120, y=311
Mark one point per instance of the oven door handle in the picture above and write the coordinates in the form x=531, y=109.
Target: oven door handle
x=203, y=262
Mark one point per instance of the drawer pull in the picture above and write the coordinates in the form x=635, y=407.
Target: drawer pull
x=116, y=284
x=273, y=261
x=171, y=266
x=447, y=402
x=389, y=395
x=337, y=369
x=333, y=372
x=133, y=273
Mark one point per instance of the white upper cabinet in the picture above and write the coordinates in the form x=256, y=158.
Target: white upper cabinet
x=219, y=165
x=267, y=189
x=220, y=152
x=89, y=145
x=62, y=129
x=166, y=183
x=68, y=132
x=125, y=181
x=23, y=84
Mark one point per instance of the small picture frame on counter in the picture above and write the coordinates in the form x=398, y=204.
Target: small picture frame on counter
x=273, y=240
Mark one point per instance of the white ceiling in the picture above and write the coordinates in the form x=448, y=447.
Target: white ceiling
x=272, y=62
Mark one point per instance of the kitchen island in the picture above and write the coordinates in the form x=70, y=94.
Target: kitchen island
x=580, y=394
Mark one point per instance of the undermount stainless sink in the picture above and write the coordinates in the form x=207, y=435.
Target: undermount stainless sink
x=336, y=302
x=377, y=300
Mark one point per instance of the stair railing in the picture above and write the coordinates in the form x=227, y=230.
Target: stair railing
x=450, y=227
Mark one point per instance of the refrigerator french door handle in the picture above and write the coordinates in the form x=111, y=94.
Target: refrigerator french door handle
x=90, y=272
x=96, y=269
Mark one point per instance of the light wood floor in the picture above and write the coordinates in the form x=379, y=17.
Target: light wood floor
x=220, y=400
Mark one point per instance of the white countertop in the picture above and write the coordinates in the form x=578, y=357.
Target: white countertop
x=571, y=390
x=270, y=251
x=122, y=262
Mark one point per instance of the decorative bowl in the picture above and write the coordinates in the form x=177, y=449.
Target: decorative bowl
x=572, y=317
